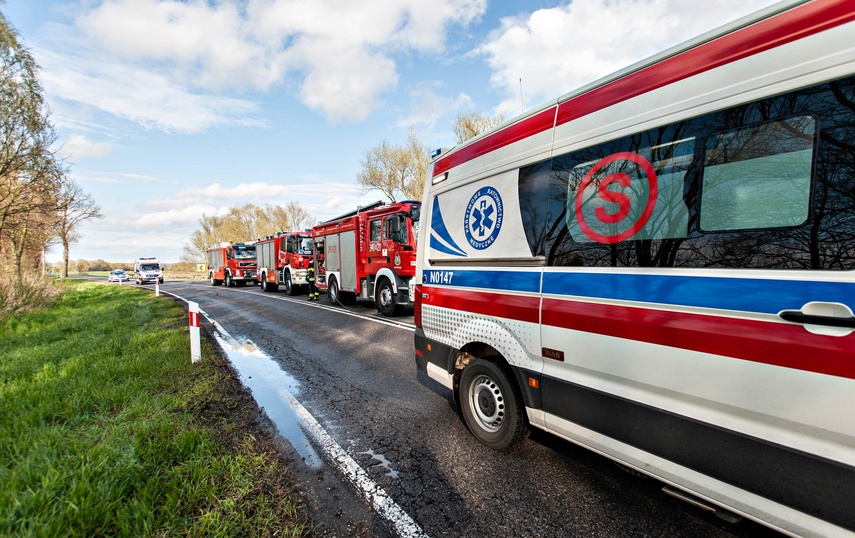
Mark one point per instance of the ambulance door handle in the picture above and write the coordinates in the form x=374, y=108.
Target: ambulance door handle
x=821, y=313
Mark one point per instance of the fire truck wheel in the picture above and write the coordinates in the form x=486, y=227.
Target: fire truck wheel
x=230, y=282
x=289, y=286
x=214, y=281
x=387, y=301
x=491, y=405
x=332, y=291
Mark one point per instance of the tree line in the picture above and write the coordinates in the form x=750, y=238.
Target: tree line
x=40, y=205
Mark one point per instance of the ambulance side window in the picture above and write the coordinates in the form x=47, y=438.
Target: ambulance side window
x=764, y=185
x=758, y=176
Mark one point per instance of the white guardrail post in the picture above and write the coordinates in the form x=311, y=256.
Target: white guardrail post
x=156, y=287
x=195, y=344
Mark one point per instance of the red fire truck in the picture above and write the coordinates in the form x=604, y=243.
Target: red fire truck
x=369, y=253
x=232, y=263
x=283, y=259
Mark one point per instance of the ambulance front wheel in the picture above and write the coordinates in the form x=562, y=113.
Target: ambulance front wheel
x=491, y=404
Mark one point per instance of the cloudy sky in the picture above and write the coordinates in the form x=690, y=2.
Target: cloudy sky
x=171, y=109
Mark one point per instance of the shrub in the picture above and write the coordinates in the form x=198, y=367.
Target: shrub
x=24, y=294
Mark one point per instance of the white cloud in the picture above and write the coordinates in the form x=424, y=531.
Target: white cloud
x=168, y=219
x=256, y=191
x=139, y=94
x=167, y=54
x=80, y=147
x=428, y=107
x=560, y=49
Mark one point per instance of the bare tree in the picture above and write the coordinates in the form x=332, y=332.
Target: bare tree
x=396, y=171
x=246, y=223
x=470, y=124
x=293, y=217
x=75, y=207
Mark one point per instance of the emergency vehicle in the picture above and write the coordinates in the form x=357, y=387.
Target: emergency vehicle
x=369, y=253
x=147, y=270
x=283, y=259
x=660, y=267
x=233, y=264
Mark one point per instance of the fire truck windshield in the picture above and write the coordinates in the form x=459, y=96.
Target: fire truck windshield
x=245, y=253
x=305, y=245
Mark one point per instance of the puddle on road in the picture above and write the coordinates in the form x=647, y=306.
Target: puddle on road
x=272, y=388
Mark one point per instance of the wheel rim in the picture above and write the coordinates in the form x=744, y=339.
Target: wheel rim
x=386, y=297
x=487, y=403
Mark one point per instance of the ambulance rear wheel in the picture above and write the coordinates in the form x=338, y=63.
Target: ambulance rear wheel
x=387, y=299
x=491, y=404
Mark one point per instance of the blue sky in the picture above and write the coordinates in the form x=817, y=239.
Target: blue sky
x=171, y=109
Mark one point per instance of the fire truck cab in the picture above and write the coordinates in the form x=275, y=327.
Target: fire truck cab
x=283, y=259
x=232, y=263
x=369, y=253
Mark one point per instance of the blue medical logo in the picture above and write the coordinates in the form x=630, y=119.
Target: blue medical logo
x=483, y=219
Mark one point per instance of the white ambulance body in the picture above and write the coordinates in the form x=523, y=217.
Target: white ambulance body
x=148, y=270
x=661, y=267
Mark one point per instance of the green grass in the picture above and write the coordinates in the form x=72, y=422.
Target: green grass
x=106, y=428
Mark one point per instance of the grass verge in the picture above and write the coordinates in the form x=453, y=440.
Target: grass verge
x=106, y=428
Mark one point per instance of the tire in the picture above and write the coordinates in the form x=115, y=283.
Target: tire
x=332, y=291
x=214, y=281
x=491, y=405
x=230, y=283
x=387, y=299
x=267, y=286
x=289, y=286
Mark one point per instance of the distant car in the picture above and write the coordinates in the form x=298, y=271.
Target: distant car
x=118, y=275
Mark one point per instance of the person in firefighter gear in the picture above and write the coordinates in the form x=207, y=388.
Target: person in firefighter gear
x=314, y=292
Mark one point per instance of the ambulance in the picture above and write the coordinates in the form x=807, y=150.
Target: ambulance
x=660, y=267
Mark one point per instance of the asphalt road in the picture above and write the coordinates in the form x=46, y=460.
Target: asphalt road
x=354, y=373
